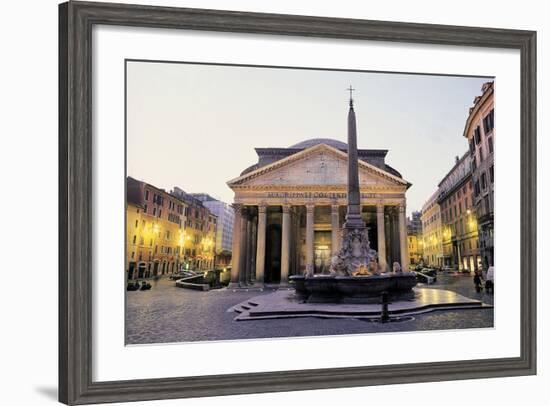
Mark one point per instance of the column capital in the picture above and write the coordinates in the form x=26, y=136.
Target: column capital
x=380, y=207
x=335, y=207
x=244, y=210
x=286, y=208
x=401, y=207
x=310, y=207
x=262, y=208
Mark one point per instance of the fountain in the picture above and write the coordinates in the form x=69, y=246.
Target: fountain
x=354, y=275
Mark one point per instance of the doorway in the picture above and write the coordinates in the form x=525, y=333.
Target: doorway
x=322, y=251
x=273, y=254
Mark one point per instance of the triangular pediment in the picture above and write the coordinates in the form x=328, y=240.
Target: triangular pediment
x=319, y=165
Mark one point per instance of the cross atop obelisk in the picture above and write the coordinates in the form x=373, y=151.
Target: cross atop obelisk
x=353, y=215
x=351, y=90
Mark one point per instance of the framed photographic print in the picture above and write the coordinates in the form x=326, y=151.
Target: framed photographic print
x=318, y=202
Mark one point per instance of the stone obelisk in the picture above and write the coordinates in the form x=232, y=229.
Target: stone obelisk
x=353, y=216
x=355, y=253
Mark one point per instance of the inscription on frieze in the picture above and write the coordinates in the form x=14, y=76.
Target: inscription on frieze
x=316, y=195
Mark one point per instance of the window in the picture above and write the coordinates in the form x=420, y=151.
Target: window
x=490, y=142
x=154, y=211
x=136, y=224
x=483, y=180
x=489, y=122
x=492, y=174
x=480, y=153
x=145, y=209
x=157, y=199
x=477, y=135
x=146, y=195
x=160, y=213
x=477, y=190
x=134, y=240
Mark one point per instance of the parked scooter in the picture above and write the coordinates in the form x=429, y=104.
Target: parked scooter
x=132, y=286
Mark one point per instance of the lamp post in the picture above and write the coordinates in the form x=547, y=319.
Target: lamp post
x=155, y=228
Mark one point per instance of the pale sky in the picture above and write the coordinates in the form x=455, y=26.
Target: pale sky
x=196, y=126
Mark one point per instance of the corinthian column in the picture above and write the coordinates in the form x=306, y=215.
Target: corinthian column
x=235, y=249
x=248, y=264
x=285, y=247
x=244, y=246
x=381, y=237
x=403, y=239
x=310, y=220
x=260, y=246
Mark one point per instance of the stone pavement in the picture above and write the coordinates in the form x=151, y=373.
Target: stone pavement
x=170, y=314
x=286, y=304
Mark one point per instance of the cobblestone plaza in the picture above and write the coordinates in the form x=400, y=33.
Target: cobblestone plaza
x=167, y=313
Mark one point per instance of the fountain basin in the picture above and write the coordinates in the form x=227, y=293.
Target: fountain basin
x=354, y=289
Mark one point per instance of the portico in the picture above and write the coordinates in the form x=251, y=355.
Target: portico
x=290, y=208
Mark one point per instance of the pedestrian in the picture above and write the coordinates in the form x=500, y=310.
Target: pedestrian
x=490, y=280
x=477, y=281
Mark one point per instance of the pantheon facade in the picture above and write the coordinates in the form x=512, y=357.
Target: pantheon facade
x=291, y=205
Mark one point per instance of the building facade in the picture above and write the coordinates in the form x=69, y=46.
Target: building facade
x=431, y=232
x=458, y=217
x=200, y=232
x=155, y=224
x=290, y=208
x=480, y=132
x=224, y=234
x=414, y=236
x=166, y=234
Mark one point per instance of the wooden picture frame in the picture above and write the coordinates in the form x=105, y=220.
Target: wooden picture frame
x=76, y=20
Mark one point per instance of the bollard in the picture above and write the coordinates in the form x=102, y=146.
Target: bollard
x=384, y=315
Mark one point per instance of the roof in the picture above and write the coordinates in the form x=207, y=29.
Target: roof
x=457, y=163
x=269, y=155
x=256, y=170
x=314, y=141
